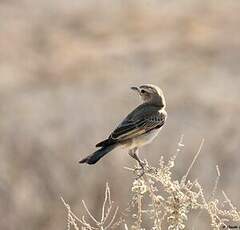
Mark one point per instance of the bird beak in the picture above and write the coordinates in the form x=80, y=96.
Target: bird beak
x=135, y=88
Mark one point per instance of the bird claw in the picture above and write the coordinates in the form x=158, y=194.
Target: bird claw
x=140, y=174
x=140, y=171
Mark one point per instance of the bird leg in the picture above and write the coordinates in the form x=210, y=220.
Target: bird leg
x=134, y=154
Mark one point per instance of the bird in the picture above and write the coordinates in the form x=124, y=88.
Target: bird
x=138, y=128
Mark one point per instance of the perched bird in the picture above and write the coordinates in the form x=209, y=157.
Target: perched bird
x=139, y=128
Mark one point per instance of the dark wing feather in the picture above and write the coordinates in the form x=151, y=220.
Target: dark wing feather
x=143, y=119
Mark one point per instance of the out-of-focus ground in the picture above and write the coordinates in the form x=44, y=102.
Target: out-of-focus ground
x=65, y=72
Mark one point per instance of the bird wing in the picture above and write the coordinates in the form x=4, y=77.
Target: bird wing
x=142, y=120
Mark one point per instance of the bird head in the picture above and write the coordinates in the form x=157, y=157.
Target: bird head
x=151, y=94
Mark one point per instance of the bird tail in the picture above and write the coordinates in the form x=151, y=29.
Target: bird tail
x=96, y=156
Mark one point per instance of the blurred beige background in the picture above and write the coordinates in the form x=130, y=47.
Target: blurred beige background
x=66, y=67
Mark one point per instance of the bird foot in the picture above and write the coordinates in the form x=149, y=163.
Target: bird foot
x=140, y=171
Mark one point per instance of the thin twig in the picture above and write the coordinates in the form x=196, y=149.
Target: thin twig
x=152, y=195
x=193, y=161
x=89, y=213
x=216, y=182
x=113, y=218
x=104, y=203
x=231, y=206
x=211, y=197
x=139, y=207
x=71, y=215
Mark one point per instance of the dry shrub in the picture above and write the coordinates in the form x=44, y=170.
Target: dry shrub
x=161, y=201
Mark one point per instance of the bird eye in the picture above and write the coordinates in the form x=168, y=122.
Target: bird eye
x=143, y=91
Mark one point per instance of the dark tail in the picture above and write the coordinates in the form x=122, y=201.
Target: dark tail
x=96, y=156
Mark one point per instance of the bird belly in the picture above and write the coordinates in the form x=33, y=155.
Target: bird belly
x=143, y=139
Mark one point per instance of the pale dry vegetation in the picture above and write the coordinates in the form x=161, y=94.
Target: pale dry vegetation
x=66, y=67
x=162, y=202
